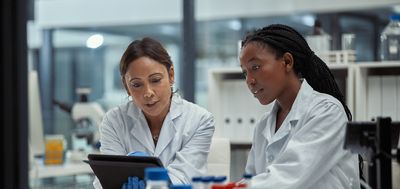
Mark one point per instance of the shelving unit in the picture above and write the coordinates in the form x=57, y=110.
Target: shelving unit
x=233, y=106
x=366, y=86
x=230, y=99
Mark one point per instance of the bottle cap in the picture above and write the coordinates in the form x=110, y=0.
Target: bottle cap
x=154, y=173
x=395, y=17
x=218, y=187
x=219, y=179
x=180, y=187
x=196, y=179
x=247, y=176
x=207, y=179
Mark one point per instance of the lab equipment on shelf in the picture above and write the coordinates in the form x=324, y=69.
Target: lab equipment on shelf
x=390, y=40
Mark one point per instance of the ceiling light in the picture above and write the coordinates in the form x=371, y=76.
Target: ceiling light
x=94, y=41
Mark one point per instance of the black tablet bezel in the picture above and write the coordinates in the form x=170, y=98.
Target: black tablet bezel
x=121, y=158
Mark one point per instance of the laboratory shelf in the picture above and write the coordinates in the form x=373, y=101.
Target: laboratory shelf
x=385, y=64
x=338, y=66
x=233, y=106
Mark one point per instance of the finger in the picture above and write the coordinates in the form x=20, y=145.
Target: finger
x=141, y=185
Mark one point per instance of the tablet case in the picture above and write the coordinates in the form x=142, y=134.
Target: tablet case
x=113, y=170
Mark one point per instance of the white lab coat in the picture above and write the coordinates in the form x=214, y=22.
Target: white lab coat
x=183, y=144
x=307, y=150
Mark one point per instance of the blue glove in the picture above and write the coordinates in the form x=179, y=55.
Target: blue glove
x=138, y=153
x=133, y=183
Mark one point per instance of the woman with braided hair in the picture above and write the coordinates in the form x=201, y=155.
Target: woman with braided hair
x=299, y=143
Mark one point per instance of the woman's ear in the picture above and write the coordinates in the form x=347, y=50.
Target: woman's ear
x=171, y=74
x=289, y=61
x=125, y=85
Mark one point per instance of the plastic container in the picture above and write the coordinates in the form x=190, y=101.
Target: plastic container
x=390, y=40
x=207, y=181
x=318, y=40
x=156, y=178
x=218, y=181
x=197, y=183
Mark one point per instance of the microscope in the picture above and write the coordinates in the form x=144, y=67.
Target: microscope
x=87, y=117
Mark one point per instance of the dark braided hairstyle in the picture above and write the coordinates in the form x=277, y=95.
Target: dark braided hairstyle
x=282, y=39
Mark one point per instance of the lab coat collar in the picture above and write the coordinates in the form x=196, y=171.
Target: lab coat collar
x=139, y=127
x=168, y=129
x=302, y=101
x=303, y=98
x=176, y=106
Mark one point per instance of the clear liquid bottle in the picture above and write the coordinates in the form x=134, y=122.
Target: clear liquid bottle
x=390, y=40
x=156, y=178
x=318, y=40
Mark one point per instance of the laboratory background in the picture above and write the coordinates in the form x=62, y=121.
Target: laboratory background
x=59, y=86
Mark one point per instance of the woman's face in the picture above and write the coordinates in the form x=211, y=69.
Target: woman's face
x=149, y=83
x=266, y=75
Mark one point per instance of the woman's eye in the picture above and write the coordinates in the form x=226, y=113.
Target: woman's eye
x=135, y=85
x=255, y=67
x=156, y=80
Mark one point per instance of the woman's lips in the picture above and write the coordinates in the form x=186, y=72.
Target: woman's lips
x=151, y=104
x=257, y=92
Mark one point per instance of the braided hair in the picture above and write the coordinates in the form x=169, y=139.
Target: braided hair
x=282, y=39
x=307, y=65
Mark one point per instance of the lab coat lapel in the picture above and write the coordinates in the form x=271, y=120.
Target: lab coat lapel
x=282, y=132
x=303, y=98
x=168, y=129
x=166, y=135
x=140, y=130
x=269, y=128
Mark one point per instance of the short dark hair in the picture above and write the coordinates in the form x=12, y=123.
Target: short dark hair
x=147, y=47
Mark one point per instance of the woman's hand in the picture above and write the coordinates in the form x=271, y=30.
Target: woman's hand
x=134, y=183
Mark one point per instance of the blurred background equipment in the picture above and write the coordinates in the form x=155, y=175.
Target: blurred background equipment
x=379, y=141
x=87, y=117
x=54, y=149
x=36, y=139
x=390, y=40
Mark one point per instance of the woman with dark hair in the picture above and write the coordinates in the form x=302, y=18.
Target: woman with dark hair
x=299, y=144
x=157, y=121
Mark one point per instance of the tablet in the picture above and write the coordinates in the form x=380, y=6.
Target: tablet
x=113, y=170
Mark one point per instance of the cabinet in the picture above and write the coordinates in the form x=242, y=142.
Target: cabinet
x=370, y=88
x=377, y=86
x=235, y=109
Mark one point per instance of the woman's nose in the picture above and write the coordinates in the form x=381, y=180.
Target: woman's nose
x=250, y=80
x=148, y=93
